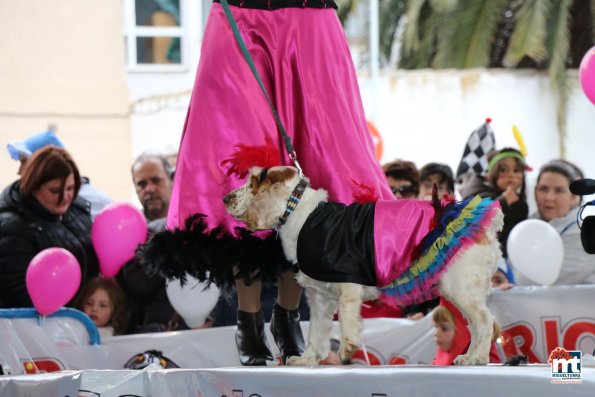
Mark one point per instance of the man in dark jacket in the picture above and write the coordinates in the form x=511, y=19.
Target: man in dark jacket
x=152, y=178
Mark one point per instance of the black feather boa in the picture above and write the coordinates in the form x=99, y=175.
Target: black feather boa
x=210, y=255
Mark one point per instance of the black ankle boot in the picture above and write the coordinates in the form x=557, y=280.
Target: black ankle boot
x=285, y=327
x=251, y=339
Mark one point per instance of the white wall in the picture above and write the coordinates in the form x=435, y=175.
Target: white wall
x=160, y=98
x=428, y=115
x=62, y=64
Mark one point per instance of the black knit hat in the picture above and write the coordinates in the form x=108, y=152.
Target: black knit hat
x=445, y=172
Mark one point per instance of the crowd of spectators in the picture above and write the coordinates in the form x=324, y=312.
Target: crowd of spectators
x=52, y=205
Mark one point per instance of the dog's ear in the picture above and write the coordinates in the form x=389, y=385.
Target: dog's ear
x=254, y=183
x=281, y=175
x=269, y=178
x=263, y=175
x=257, y=180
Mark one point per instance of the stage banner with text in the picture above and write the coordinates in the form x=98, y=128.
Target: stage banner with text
x=534, y=321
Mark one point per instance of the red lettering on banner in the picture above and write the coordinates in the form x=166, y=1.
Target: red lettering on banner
x=41, y=365
x=360, y=357
x=551, y=330
x=397, y=360
x=522, y=334
x=573, y=333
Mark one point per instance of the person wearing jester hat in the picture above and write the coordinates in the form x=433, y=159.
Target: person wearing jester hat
x=301, y=54
x=504, y=178
x=505, y=182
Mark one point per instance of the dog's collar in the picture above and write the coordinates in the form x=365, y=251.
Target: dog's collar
x=294, y=200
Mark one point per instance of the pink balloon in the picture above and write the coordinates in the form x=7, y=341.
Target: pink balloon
x=53, y=277
x=116, y=232
x=586, y=74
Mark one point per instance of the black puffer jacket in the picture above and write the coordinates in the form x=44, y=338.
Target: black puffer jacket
x=147, y=295
x=27, y=228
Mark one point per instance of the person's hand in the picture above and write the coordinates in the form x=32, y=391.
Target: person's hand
x=207, y=324
x=505, y=286
x=510, y=194
x=415, y=316
x=331, y=359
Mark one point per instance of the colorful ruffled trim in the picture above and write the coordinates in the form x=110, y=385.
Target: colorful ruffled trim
x=458, y=229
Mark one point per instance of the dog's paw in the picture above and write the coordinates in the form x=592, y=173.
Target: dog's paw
x=301, y=361
x=466, y=359
x=346, y=351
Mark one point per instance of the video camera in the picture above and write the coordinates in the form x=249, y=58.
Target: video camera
x=583, y=187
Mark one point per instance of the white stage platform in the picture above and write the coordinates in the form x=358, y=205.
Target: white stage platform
x=321, y=381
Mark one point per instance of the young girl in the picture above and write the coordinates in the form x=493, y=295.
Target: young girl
x=452, y=335
x=505, y=181
x=103, y=300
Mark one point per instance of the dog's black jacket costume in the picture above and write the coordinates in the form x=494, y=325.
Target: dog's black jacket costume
x=336, y=244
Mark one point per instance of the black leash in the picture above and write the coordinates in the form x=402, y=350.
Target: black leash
x=236, y=31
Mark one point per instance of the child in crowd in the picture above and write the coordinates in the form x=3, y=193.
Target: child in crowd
x=439, y=174
x=452, y=335
x=430, y=174
x=103, y=300
x=503, y=278
x=505, y=182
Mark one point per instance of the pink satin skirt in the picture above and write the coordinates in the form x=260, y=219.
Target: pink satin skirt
x=305, y=64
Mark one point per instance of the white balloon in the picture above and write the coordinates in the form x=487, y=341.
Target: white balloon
x=535, y=249
x=192, y=301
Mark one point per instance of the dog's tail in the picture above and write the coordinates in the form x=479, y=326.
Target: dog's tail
x=211, y=255
x=460, y=226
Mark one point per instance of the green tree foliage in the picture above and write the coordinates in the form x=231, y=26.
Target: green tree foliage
x=549, y=35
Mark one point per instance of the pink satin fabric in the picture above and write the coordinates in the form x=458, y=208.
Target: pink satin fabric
x=399, y=227
x=304, y=62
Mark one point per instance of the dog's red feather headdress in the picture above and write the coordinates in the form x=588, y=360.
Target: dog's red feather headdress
x=364, y=193
x=246, y=157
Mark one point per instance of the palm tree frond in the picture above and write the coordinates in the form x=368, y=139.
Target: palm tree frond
x=558, y=46
x=558, y=39
x=444, y=6
x=410, y=36
x=346, y=8
x=529, y=34
x=593, y=25
x=467, y=32
x=391, y=12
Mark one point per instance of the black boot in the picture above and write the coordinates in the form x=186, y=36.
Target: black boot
x=285, y=327
x=251, y=339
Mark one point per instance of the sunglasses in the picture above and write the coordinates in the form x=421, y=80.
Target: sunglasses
x=405, y=190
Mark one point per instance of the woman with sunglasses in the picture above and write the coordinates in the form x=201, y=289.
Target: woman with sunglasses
x=403, y=178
